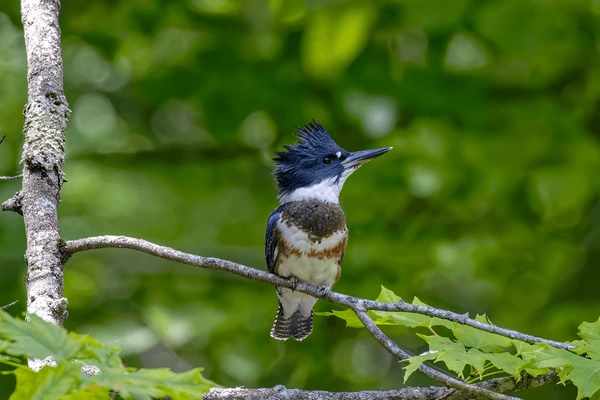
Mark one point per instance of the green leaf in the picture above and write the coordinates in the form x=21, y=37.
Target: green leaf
x=472, y=337
x=48, y=384
x=507, y=362
x=36, y=338
x=94, y=352
x=583, y=372
x=409, y=320
x=348, y=315
x=457, y=357
x=585, y=375
x=542, y=356
x=90, y=392
x=415, y=362
x=590, y=345
x=39, y=338
x=387, y=296
x=451, y=353
x=155, y=383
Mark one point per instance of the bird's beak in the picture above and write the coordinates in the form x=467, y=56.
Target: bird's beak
x=357, y=158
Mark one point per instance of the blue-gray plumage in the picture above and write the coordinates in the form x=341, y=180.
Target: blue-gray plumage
x=307, y=234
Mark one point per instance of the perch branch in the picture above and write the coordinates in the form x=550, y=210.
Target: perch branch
x=358, y=305
x=99, y=242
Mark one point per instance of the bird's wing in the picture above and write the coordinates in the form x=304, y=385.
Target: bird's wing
x=271, y=240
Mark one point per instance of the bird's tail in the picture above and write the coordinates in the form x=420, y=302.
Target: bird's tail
x=297, y=326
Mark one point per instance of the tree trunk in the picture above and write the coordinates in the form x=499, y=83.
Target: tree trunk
x=46, y=117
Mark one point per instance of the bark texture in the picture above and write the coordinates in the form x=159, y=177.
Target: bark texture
x=282, y=393
x=46, y=117
x=409, y=393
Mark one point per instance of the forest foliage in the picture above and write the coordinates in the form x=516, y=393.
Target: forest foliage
x=84, y=368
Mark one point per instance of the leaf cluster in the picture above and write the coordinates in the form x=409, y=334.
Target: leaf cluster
x=475, y=355
x=82, y=368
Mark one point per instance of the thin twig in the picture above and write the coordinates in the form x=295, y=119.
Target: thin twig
x=12, y=303
x=99, y=242
x=433, y=373
x=11, y=178
x=463, y=319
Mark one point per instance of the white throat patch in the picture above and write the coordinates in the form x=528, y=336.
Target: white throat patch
x=327, y=190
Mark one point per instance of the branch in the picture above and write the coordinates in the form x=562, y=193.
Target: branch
x=463, y=319
x=99, y=242
x=46, y=116
x=433, y=373
x=360, y=306
x=10, y=178
x=12, y=303
x=15, y=203
x=416, y=393
x=281, y=392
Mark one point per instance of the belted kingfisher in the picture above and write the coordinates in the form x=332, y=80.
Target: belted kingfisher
x=307, y=234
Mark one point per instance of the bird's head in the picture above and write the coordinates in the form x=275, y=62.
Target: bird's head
x=316, y=167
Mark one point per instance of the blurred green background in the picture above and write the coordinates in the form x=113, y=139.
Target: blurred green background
x=488, y=203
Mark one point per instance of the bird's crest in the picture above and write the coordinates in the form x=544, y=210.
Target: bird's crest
x=313, y=139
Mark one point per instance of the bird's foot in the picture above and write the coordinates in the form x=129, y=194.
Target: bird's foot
x=323, y=291
x=294, y=282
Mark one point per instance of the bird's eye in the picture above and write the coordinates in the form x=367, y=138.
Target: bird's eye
x=328, y=159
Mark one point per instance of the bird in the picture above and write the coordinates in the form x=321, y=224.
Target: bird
x=306, y=234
